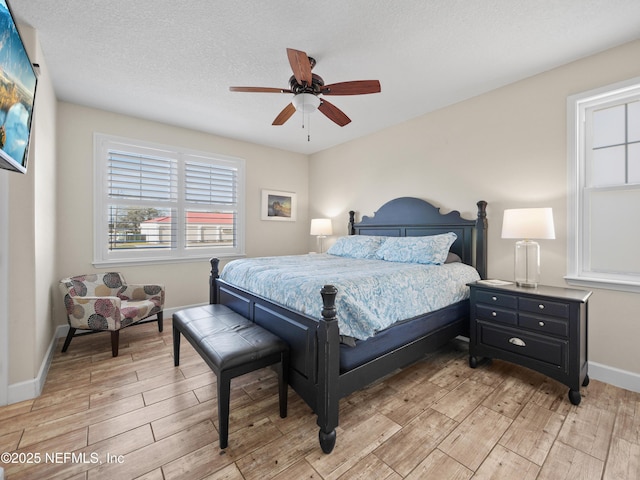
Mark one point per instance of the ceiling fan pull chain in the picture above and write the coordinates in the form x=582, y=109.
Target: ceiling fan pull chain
x=308, y=122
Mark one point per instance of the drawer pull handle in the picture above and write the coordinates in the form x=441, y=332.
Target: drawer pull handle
x=541, y=307
x=494, y=314
x=517, y=341
x=541, y=324
x=495, y=299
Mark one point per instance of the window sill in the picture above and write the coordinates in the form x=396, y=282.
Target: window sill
x=128, y=262
x=604, y=283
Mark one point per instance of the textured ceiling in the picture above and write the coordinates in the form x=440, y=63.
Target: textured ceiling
x=173, y=61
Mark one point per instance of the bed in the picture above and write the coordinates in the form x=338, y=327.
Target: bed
x=326, y=365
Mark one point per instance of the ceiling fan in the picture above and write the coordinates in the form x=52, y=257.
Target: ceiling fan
x=307, y=88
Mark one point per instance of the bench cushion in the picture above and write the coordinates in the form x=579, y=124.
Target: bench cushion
x=227, y=338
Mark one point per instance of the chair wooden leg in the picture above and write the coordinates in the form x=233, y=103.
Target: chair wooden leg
x=160, y=321
x=115, y=338
x=67, y=341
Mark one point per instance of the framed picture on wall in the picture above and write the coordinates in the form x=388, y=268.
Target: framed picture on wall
x=279, y=206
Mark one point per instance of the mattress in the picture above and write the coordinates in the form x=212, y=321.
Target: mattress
x=401, y=333
x=372, y=294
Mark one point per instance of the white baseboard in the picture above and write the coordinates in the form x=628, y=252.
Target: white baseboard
x=29, y=389
x=615, y=376
x=170, y=311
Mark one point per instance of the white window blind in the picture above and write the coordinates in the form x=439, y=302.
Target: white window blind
x=141, y=191
x=156, y=203
x=210, y=196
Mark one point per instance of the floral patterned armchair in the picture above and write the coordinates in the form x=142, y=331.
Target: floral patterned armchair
x=105, y=302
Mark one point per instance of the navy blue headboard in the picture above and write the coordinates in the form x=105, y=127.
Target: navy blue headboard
x=411, y=217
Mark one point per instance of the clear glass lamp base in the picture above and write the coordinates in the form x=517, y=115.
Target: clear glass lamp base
x=527, y=263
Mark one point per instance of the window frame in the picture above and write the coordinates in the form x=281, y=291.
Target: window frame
x=577, y=219
x=179, y=252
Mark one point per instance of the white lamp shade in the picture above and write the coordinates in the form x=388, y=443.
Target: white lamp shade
x=528, y=223
x=306, y=102
x=321, y=226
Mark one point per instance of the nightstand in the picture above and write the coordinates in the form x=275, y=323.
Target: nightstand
x=542, y=328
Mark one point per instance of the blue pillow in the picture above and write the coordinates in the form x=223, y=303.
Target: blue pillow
x=429, y=250
x=357, y=246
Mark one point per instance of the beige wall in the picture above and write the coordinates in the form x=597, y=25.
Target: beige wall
x=185, y=283
x=32, y=234
x=507, y=147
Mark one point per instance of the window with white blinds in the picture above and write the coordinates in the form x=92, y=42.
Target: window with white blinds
x=155, y=203
x=604, y=193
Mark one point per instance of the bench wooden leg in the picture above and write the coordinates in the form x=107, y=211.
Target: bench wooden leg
x=176, y=346
x=283, y=383
x=224, y=396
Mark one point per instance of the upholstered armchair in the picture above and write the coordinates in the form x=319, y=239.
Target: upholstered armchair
x=105, y=302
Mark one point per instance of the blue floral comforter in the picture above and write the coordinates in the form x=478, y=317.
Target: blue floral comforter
x=372, y=294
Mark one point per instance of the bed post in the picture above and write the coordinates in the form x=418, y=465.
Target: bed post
x=213, y=291
x=352, y=220
x=481, y=239
x=328, y=370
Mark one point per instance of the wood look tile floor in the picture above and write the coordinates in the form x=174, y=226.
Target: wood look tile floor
x=138, y=416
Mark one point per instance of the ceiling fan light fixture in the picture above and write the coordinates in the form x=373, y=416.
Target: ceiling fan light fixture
x=306, y=102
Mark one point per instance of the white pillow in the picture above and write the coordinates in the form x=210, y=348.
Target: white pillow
x=428, y=250
x=357, y=246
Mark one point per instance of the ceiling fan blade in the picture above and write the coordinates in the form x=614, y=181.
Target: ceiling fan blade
x=356, y=87
x=333, y=113
x=284, y=115
x=259, y=90
x=300, y=65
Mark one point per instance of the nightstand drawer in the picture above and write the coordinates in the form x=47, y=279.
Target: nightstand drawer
x=544, y=307
x=499, y=299
x=546, y=350
x=544, y=325
x=487, y=312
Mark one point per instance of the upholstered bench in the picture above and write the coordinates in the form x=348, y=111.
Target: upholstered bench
x=232, y=346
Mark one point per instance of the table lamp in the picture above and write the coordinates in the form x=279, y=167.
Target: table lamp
x=321, y=227
x=528, y=224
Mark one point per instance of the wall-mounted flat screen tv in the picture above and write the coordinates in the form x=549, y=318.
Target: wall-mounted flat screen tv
x=17, y=94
